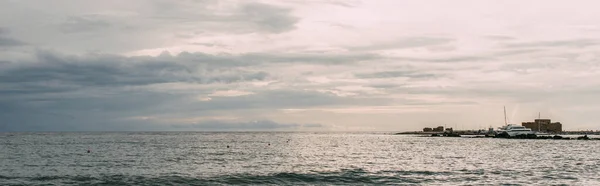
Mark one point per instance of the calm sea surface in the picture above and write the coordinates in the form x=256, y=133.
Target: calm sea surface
x=279, y=158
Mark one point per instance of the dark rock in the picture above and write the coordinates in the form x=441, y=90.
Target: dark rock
x=502, y=135
x=585, y=137
x=544, y=137
x=557, y=137
x=451, y=135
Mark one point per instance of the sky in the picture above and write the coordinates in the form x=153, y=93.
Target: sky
x=297, y=65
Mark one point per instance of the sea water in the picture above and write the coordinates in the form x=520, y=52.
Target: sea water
x=290, y=158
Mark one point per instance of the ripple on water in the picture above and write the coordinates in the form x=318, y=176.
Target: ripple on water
x=309, y=158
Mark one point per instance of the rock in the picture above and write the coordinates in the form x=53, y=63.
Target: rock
x=451, y=135
x=585, y=137
x=502, y=135
x=557, y=137
x=531, y=136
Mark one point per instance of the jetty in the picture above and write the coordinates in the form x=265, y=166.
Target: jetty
x=475, y=134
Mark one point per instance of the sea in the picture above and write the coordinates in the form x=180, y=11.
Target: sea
x=291, y=158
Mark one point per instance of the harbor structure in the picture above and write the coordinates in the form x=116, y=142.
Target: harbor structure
x=436, y=129
x=543, y=125
x=449, y=130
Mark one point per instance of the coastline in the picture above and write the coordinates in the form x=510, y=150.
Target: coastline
x=474, y=134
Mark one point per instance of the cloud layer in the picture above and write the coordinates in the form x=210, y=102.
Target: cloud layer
x=296, y=65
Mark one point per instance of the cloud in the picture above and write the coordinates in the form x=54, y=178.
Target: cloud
x=269, y=18
x=409, y=42
x=579, y=43
x=52, y=71
x=276, y=99
x=6, y=41
x=514, y=52
x=229, y=93
x=85, y=23
x=132, y=26
x=95, y=65
x=9, y=42
x=207, y=44
x=341, y=3
x=396, y=74
x=324, y=59
x=251, y=125
x=500, y=38
x=449, y=59
x=247, y=17
x=91, y=86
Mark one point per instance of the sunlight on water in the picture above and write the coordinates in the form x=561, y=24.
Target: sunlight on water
x=291, y=158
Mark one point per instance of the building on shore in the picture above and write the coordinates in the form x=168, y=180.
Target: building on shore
x=449, y=130
x=437, y=129
x=543, y=125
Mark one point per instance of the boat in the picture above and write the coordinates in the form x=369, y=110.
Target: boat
x=512, y=129
x=515, y=130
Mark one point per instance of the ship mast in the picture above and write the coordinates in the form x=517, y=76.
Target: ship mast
x=505, y=123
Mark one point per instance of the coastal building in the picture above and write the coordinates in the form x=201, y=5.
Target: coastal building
x=449, y=130
x=438, y=129
x=543, y=125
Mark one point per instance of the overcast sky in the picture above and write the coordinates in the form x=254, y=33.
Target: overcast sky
x=378, y=65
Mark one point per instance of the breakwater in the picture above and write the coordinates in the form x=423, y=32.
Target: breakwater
x=523, y=136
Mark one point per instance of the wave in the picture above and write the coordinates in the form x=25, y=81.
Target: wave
x=343, y=177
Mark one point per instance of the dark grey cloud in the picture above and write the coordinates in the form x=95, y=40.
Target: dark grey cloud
x=564, y=43
x=3, y=31
x=85, y=23
x=413, y=74
x=410, y=42
x=108, y=108
x=9, y=42
x=53, y=72
x=251, y=125
x=64, y=91
x=6, y=41
x=70, y=121
x=108, y=111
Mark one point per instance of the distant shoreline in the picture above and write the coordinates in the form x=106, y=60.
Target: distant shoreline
x=471, y=132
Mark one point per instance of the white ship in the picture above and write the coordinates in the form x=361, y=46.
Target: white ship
x=512, y=129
